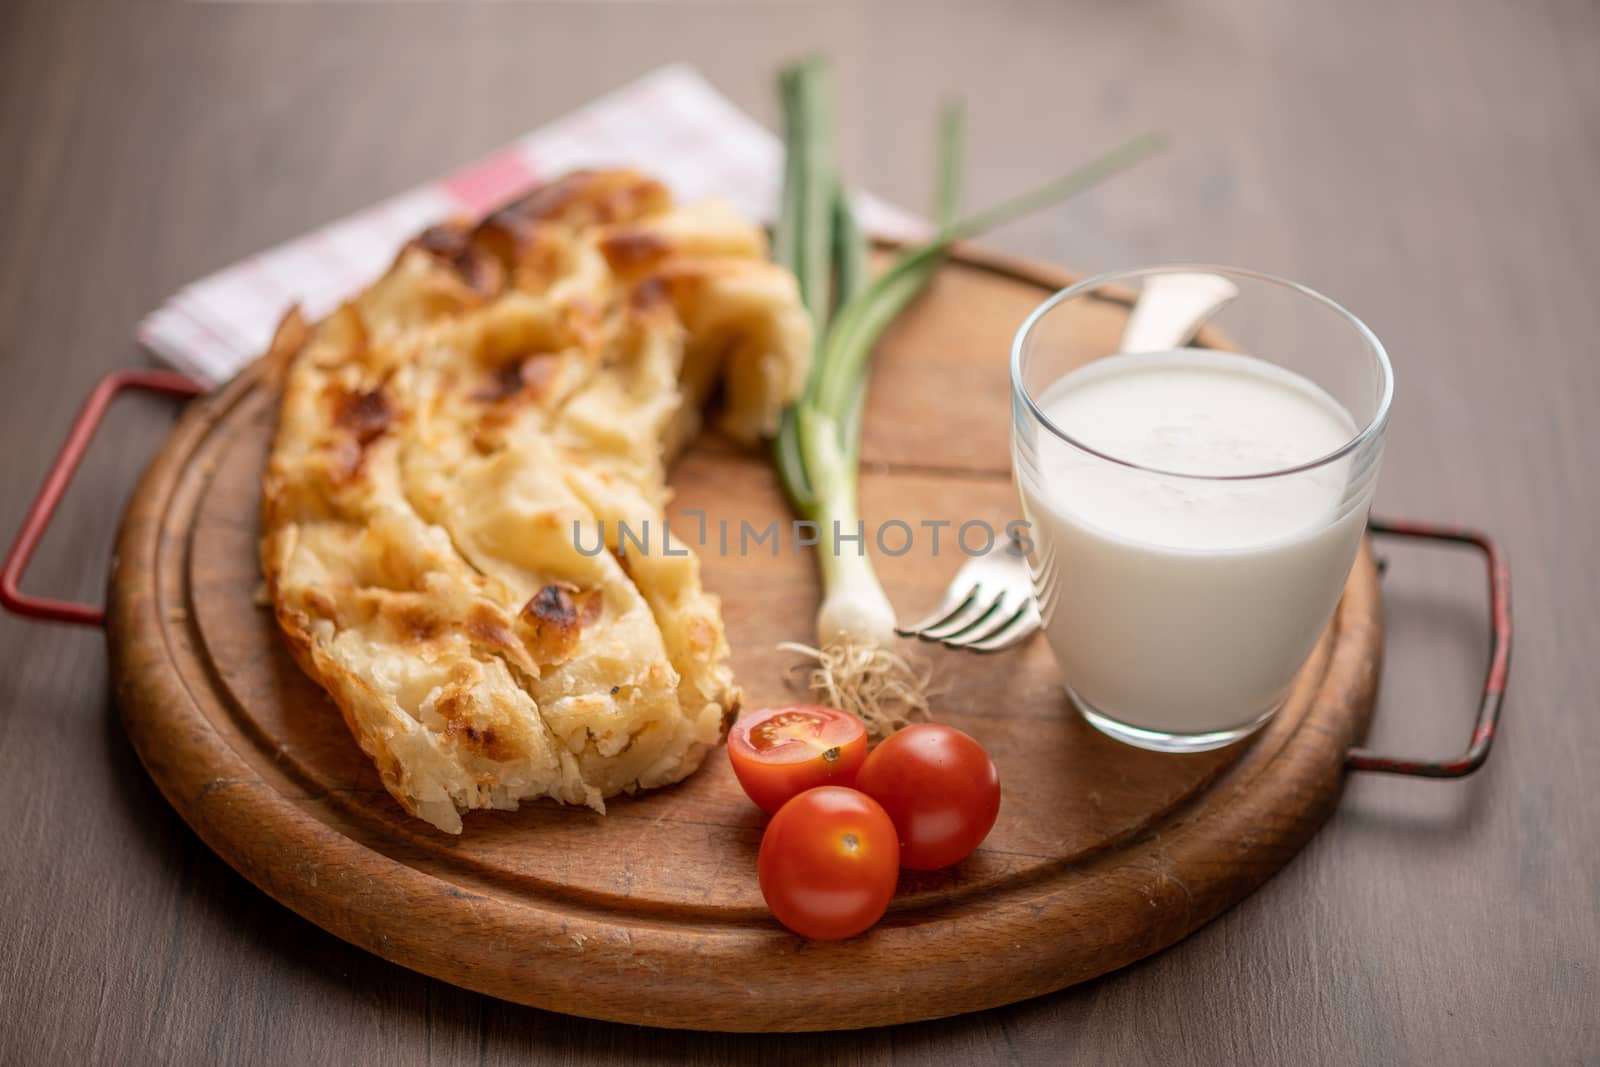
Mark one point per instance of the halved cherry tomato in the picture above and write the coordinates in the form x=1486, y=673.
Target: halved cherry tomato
x=940, y=788
x=778, y=753
x=829, y=863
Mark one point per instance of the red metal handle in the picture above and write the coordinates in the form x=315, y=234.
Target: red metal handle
x=12, y=598
x=173, y=384
x=1494, y=685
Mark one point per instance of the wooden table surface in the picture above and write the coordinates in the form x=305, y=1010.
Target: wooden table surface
x=1433, y=165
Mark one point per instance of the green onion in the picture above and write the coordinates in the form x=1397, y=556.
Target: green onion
x=817, y=448
x=952, y=142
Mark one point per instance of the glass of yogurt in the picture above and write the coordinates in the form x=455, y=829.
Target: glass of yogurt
x=1194, y=501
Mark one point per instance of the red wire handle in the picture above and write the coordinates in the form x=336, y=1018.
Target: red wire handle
x=1494, y=685
x=173, y=384
x=55, y=486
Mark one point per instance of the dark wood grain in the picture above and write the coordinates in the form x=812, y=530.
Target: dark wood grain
x=1431, y=165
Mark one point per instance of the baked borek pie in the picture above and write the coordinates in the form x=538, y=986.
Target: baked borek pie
x=453, y=447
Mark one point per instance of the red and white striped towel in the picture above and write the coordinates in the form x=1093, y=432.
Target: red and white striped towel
x=670, y=124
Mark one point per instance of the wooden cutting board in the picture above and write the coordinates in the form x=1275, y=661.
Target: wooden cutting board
x=651, y=914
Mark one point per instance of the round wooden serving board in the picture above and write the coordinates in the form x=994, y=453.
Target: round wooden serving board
x=651, y=913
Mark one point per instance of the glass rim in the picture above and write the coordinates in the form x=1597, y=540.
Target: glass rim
x=1371, y=430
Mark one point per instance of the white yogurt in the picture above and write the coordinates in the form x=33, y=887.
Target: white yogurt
x=1182, y=605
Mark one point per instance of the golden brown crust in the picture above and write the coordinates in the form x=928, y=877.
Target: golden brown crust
x=451, y=439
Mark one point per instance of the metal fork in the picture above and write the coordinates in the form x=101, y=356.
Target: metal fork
x=989, y=606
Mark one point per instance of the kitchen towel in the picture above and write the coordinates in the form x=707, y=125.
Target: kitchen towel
x=670, y=124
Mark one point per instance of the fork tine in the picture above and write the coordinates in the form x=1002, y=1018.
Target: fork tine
x=1041, y=569
x=975, y=610
x=942, y=614
x=1005, y=611
x=1016, y=630
x=988, y=605
x=996, y=608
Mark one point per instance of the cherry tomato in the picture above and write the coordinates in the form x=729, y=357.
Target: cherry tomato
x=940, y=788
x=829, y=863
x=778, y=753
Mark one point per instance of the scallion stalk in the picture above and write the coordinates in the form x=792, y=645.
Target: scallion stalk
x=817, y=449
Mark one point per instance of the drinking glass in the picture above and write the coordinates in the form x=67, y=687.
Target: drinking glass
x=1185, y=634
